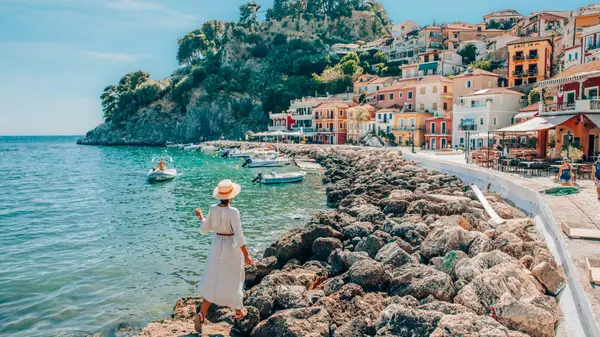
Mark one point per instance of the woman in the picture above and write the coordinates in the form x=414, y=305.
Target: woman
x=223, y=277
x=596, y=176
x=565, y=173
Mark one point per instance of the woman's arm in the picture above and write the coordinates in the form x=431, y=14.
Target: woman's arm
x=247, y=257
x=205, y=224
x=238, y=237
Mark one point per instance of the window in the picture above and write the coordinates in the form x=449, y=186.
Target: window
x=462, y=142
x=341, y=113
x=445, y=105
x=481, y=121
x=489, y=83
x=570, y=57
x=382, y=97
x=468, y=84
x=390, y=116
x=576, y=56
x=400, y=95
x=445, y=89
x=512, y=120
x=411, y=122
x=443, y=127
x=391, y=96
x=495, y=121
x=432, y=128
x=410, y=95
x=435, y=89
x=474, y=104
x=456, y=35
x=422, y=106
x=341, y=126
x=409, y=107
x=423, y=91
x=434, y=107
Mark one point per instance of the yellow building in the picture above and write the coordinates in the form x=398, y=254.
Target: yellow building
x=405, y=123
x=431, y=37
x=529, y=60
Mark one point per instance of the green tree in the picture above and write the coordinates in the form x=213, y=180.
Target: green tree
x=248, y=15
x=468, y=53
x=489, y=65
x=379, y=57
x=533, y=96
x=194, y=45
x=381, y=69
x=110, y=99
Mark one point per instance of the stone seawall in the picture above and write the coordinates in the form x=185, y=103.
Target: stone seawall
x=406, y=252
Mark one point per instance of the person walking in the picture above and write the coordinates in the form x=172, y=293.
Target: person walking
x=222, y=281
x=596, y=176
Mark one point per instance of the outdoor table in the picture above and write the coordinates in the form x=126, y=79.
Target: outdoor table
x=527, y=164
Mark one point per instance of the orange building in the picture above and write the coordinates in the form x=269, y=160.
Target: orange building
x=330, y=122
x=408, y=122
x=529, y=60
x=361, y=121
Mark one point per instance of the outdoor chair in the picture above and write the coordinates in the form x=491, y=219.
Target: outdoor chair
x=584, y=170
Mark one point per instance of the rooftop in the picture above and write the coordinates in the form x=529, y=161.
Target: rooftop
x=531, y=107
x=397, y=86
x=580, y=69
x=434, y=78
x=476, y=72
x=529, y=39
x=493, y=91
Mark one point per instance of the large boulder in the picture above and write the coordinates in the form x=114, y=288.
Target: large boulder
x=366, y=273
x=510, y=244
x=502, y=210
x=448, y=263
x=367, y=212
x=535, y=316
x=398, y=320
x=371, y=244
x=552, y=280
x=322, y=247
x=392, y=254
x=442, y=240
x=257, y=271
x=289, y=246
x=358, y=229
x=244, y=326
x=311, y=321
x=421, y=281
x=290, y=297
x=471, y=325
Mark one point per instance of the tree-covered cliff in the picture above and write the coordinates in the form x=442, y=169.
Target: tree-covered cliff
x=232, y=74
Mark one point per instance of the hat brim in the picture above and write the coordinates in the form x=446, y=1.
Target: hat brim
x=227, y=196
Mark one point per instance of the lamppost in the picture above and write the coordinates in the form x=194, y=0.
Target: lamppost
x=412, y=136
x=569, y=140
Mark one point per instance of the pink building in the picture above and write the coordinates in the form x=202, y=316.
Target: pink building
x=397, y=96
x=281, y=121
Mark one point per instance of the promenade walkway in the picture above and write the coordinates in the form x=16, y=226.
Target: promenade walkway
x=580, y=210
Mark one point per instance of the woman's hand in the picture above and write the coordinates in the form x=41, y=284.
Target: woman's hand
x=248, y=260
x=199, y=214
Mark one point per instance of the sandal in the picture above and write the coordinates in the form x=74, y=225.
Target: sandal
x=239, y=314
x=198, y=320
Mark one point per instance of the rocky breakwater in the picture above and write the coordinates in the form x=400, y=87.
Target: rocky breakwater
x=406, y=252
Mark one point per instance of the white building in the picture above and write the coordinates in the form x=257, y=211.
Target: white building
x=483, y=111
x=434, y=93
x=504, y=15
x=572, y=57
x=301, y=111
x=384, y=120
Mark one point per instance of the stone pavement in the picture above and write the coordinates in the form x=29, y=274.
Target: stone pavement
x=580, y=210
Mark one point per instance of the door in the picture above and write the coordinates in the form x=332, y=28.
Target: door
x=570, y=97
x=592, y=142
x=592, y=93
x=443, y=143
x=432, y=144
x=331, y=139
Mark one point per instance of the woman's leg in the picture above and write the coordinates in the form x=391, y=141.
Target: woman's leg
x=204, y=308
x=201, y=316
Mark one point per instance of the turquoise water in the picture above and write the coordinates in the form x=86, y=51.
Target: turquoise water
x=86, y=243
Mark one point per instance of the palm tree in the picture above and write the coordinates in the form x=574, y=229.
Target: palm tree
x=360, y=115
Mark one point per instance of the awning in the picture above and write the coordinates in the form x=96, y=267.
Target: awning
x=526, y=114
x=428, y=66
x=536, y=124
x=481, y=135
x=594, y=118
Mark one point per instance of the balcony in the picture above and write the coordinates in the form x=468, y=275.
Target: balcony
x=281, y=115
x=533, y=57
x=302, y=117
x=518, y=73
x=325, y=130
x=518, y=57
x=532, y=72
x=580, y=105
x=324, y=117
x=407, y=129
x=277, y=128
x=467, y=127
x=304, y=129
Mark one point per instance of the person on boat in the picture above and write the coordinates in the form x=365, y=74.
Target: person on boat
x=565, y=173
x=162, y=165
x=223, y=277
x=596, y=176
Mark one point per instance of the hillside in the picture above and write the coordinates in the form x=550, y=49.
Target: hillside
x=232, y=74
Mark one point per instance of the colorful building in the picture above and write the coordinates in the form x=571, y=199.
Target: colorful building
x=361, y=121
x=409, y=125
x=431, y=37
x=438, y=131
x=397, y=95
x=471, y=80
x=384, y=122
x=527, y=113
x=368, y=85
x=282, y=121
x=529, y=61
x=505, y=15
x=434, y=93
x=330, y=122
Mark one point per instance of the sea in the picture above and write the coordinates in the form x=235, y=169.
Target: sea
x=88, y=245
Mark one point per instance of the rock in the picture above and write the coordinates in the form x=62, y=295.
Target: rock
x=357, y=327
x=549, y=277
x=322, y=247
x=372, y=244
x=425, y=207
x=395, y=207
x=526, y=261
x=312, y=296
x=445, y=307
x=366, y=273
x=332, y=285
x=471, y=325
x=403, y=195
x=447, y=263
x=447, y=199
x=312, y=321
x=245, y=325
x=398, y=320
x=442, y=240
x=468, y=269
x=392, y=254
x=260, y=269
x=543, y=255
x=358, y=229
x=502, y=209
x=421, y=281
x=187, y=307
x=535, y=316
x=510, y=244
x=367, y=212
x=289, y=246
x=290, y=297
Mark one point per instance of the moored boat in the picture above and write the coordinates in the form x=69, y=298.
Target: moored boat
x=266, y=162
x=158, y=175
x=209, y=149
x=192, y=147
x=279, y=178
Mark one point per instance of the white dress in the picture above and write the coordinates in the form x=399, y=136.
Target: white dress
x=222, y=281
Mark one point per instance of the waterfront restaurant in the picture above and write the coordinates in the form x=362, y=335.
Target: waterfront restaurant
x=573, y=113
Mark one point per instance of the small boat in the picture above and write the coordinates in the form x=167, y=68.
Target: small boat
x=279, y=178
x=235, y=153
x=209, y=149
x=171, y=144
x=157, y=175
x=192, y=147
x=266, y=162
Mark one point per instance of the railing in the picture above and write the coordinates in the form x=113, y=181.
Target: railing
x=580, y=105
x=304, y=129
x=277, y=128
x=533, y=57
x=467, y=127
x=408, y=128
x=518, y=57
x=323, y=117
x=325, y=129
x=518, y=73
x=533, y=72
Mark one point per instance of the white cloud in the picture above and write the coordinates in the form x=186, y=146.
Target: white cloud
x=168, y=14
x=118, y=57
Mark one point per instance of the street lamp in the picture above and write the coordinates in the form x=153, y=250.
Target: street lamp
x=412, y=135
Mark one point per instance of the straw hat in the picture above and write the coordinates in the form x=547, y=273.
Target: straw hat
x=226, y=190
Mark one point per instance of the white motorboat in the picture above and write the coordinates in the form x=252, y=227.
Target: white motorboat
x=280, y=178
x=192, y=147
x=235, y=153
x=157, y=175
x=161, y=175
x=266, y=162
x=209, y=149
x=171, y=144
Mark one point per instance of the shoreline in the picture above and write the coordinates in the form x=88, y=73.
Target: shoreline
x=403, y=246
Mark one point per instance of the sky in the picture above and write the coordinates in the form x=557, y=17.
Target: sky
x=56, y=56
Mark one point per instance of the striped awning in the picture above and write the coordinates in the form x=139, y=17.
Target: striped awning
x=428, y=66
x=536, y=124
x=595, y=118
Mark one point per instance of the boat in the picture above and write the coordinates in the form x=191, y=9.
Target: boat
x=209, y=149
x=192, y=147
x=266, y=162
x=157, y=175
x=171, y=144
x=235, y=153
x=279, y=178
